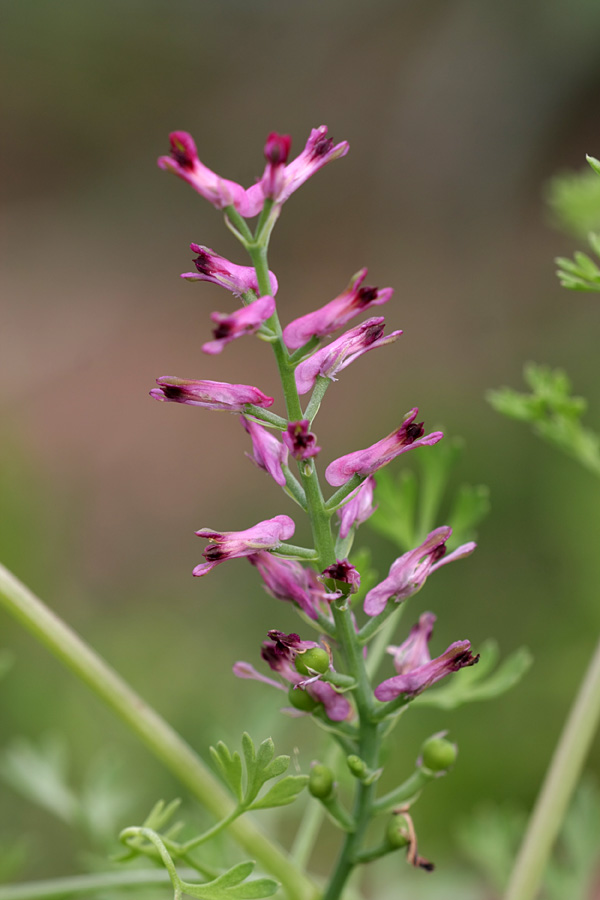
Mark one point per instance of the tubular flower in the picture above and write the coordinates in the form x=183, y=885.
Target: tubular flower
x=183, y=162
x=287, y=579
x=209, y=394
x=280, y=653
x=278, y=184
x=409, y=572
x=246, y=320
x=365, y=462
x=416, y=670
x=301, y=442
x=331, y=359
x=350, y=303
x=219, y=270
x=358, y=509
x=264, y=535
x=268, y=453
x=277, y=150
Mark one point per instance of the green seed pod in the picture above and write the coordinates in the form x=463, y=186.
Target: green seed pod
x=316, y=659
x=357, y=766
x=320, y=782
x=438, y=754
x=396, y=833
x=301, y=700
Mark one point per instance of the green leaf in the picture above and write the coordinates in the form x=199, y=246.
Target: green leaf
x=593, y=163
x=232, y=885
x=282, y=793
x=471, y=505
x=470, y=686
x=229, y=767
x=7, y=659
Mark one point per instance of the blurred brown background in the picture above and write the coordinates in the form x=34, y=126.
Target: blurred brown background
x=457, y=114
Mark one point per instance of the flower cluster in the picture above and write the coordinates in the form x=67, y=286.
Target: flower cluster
x=320, y=581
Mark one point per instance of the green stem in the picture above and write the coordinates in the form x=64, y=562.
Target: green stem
x=79, y=885
x=368, y=730
x=559, y=784
x=158, y=736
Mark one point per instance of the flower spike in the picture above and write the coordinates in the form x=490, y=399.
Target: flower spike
x=366, y=462
x=264, y=535
x=331, y=359
x=287, y=579
x=219, y=270
x=353, y=301
x=301, y=442
x=209, y=394
x=358, y=509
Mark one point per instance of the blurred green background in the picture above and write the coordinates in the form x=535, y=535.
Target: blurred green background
x=457, y=114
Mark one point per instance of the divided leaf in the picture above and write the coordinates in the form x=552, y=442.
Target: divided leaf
x=282, y=793
x=229, y=767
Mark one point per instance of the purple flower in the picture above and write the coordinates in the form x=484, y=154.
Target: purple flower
x=351, y=302
x=219, y=270
x=301, y=442
x=264, y=535
x=331, y=359
x=409, y=573
x=277, y=150
x=246, y=320
x=269, y=453
x=343, y=570
x=183, y=161
x=358, y=509
x=365, y=462
x=280, y=653
x=287, y=579
x=209, y=394
x=416, y=670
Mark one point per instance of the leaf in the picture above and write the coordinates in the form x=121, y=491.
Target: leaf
x=282, y=793
x=395, y=516
x=7, y=660
x=471, y=505
x=39, y=773
x=469, y=686
x=229, y=767
x=232, y=885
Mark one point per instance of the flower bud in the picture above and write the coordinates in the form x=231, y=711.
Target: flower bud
x=357, y=766
x=314, y=660
x=301, y=700
x=321, y=782
x=396, y=833
x=438, y=754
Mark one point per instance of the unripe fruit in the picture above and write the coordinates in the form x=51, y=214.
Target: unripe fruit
x=438, y=754
x=301, y=700
x=396, y=833
x=316, y=659
x=320, y=782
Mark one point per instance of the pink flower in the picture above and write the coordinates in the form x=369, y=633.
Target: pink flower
x=319, y=150
x=264, y=535
x=246, y=320
x=268, y=453
x=184, y=163
x=358, y=509
x=209, y=394
x=219, y=270
x=416, y=670
x=301, y=442
x=331, y=359
x=365, y=462
x=277, y=150
x=409, y=572
x=287, y=579
x=351, y=302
